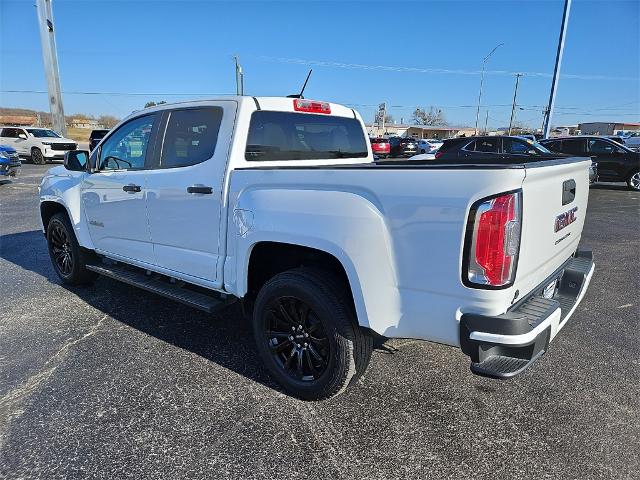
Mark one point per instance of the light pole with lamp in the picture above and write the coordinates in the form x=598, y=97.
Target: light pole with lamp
x=482, y=81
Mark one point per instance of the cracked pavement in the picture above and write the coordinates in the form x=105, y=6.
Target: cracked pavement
x=112, y=382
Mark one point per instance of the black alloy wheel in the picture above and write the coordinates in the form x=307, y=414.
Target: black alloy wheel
x=68, y=258
x=307, y=333
x=61, y=252
x=296, y=339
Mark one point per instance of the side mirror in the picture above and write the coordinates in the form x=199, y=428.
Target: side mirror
x=22, y=136
x=76, y=160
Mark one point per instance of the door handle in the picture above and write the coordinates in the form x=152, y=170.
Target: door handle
x=131, y=188
x=199, y=189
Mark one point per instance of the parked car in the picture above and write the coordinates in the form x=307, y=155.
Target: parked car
x=9, y=161
x=496, y=148
x=95, y=136
x=276, y=202
x=39, y=144
x=428, y=146
x=380, y=147
x=403, y=146
x=616, y=163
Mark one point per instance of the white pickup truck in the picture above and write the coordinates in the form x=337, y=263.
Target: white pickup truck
x=277, y=202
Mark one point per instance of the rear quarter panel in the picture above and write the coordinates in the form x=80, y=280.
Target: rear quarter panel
x=397, y=232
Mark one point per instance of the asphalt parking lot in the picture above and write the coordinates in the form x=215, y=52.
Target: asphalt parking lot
x=112, y=382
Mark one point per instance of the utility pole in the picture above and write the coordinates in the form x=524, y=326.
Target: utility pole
x=556, y=70
x=50, y=57
x=513, y=107
x=545, y=114
x=486, y=122
x=482, y=82
x=239, y=77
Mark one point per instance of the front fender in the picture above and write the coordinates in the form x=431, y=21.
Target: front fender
x=344, y=224
x=63, y=187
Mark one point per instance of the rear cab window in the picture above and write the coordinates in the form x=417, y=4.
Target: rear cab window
x=275, y=136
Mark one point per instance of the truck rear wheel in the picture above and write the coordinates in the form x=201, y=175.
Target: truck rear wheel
x=68, y=258
x=37, y=157
x=306, y=332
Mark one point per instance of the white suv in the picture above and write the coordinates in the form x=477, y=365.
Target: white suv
x=41, y=144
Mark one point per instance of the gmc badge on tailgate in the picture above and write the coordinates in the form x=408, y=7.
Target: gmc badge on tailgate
x=565, y=219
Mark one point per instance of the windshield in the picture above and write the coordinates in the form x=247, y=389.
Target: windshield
x=43, y=133
x=301, y=136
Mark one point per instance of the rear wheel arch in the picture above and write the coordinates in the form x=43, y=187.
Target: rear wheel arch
x=269, y=258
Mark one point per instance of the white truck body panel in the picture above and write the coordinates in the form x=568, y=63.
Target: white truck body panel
x=398, y=232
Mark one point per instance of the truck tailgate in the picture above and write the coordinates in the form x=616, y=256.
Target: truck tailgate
x=554, y=205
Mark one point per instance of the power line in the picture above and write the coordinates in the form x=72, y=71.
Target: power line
x=402, y=69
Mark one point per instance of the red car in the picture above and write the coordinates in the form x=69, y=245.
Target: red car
x=380, y=147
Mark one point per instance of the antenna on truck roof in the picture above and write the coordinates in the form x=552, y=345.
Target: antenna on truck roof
x=299, y=95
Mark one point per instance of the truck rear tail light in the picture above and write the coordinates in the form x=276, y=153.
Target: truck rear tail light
x=493, y=241
x=311, y=106
x=439, y=154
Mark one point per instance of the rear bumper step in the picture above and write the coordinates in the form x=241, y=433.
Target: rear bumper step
x=505, y=345
x=160, y=285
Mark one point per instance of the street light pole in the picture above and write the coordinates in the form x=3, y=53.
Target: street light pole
x=513, y=107
x=556, y=70
x=482, y=82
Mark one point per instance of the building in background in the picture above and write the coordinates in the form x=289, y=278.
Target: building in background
x=418, y=131
x=608, y=128
x=19, y=120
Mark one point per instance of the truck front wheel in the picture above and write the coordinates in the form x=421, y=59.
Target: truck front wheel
x=68, y=258
x=306, y=332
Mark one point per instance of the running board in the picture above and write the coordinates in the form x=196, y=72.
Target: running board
x=201, y=301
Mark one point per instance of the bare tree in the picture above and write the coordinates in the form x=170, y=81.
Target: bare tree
x=108, y=121
x=432, y=116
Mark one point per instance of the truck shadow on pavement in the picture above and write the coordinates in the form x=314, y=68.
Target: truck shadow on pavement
x=225, y=338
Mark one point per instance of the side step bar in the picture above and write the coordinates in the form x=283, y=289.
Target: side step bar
x=201, y=301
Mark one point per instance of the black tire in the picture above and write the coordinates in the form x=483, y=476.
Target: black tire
x=68, y=258
x=37, y=157
x=342, y=349
x=633, y=182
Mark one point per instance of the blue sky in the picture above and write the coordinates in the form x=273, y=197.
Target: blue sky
x=175, y=50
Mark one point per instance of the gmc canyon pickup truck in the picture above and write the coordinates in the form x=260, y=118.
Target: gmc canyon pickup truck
x=277, y=202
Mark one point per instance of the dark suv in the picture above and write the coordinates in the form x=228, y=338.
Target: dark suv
x=616, y=163
x=403, y=146
x=491, y=148
x=95, y=137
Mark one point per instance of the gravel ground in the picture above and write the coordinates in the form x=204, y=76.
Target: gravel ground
x=112, y=382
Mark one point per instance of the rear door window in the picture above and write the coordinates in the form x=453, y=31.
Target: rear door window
x=9, y=133
x=303, y=136
x=190, y=137
x=484, y=145
x=573, y=146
